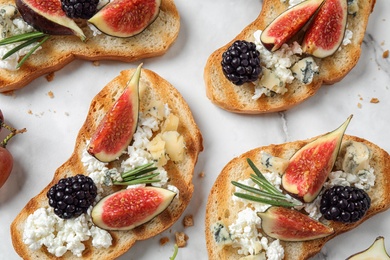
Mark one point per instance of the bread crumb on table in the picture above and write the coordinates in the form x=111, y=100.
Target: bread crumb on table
x=385, y=54
x=96, y=63
x=50, y=77
x=359, y=105
x=164, y=240
x=374, y=100
x=188, y=221
x=181, y=239
x=50, y=94
x=201, y=175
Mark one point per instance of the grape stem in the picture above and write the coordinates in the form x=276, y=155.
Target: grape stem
x=12, y=133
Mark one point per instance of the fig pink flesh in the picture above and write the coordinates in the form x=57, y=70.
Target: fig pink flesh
x=310, y=166
x=115, y=131
x=124, y=18
x=135, y=206
x=288, y=23
x=291, y=225
x=312, y=160
x=325, y=34
x=112, y=131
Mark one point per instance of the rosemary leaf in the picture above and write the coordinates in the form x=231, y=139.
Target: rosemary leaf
x=144, y=168
x=22, y=37
x=139, y=175
x=258, y=192
x=264, y=200
x=19, y=47
x=31, y=51
x=267, y=193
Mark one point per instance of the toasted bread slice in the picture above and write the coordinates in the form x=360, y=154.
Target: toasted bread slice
x=61, y=50
x=332, y=69
x=180, y=173
x=221, y=208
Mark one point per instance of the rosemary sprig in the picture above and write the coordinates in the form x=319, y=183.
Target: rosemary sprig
x=267, y=194
x=139, y=175
x=26, y=39
x=175, y=250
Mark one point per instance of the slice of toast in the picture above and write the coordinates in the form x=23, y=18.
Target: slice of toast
x=332, y=69
x=221, y=208
x=58, y=51
x=154, y=88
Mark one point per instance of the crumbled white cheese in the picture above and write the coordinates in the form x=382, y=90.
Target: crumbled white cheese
x=347, y=37
x=44, y=228
x=244, y=232
x=275, y=251
x=279, y=62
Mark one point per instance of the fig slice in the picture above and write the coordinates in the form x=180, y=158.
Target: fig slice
x=48, y=17
x=310, y=166
x=115, y=132
x=377, y=251
x=123, y=18
x=325, y=34
x=288, y=23
x=291, y=225
x=129, y=208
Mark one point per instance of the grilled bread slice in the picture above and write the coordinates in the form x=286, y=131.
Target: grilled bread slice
x=221, y=208
x=332, y=69
x=152, y=88
x=58, y=51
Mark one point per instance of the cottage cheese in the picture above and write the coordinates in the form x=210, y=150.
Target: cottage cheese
x=44, y=228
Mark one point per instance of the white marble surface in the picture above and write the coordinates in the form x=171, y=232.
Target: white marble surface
x=53, y=123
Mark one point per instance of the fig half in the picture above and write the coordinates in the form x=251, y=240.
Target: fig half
x=123, y=18
x=129, y=208
x=48, y=17
x=288, y=23
x=377, y=251
x=291, y=225
x=310, y=166
x=325, y=34
x=115, y=132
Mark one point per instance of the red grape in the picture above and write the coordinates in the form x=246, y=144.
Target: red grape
x=1, y=120
x=6, y=163
x=6, y=158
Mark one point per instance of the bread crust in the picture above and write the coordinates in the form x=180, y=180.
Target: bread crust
x=238, y=99
x=221, y=208
x=180, y=173
x=58, y=51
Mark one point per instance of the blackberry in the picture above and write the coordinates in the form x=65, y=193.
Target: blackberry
x=72, y=196
x=344, y=204
x=83, y=9
x=241, y=62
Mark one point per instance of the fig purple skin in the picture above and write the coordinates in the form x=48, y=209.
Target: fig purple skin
x=54, y=23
